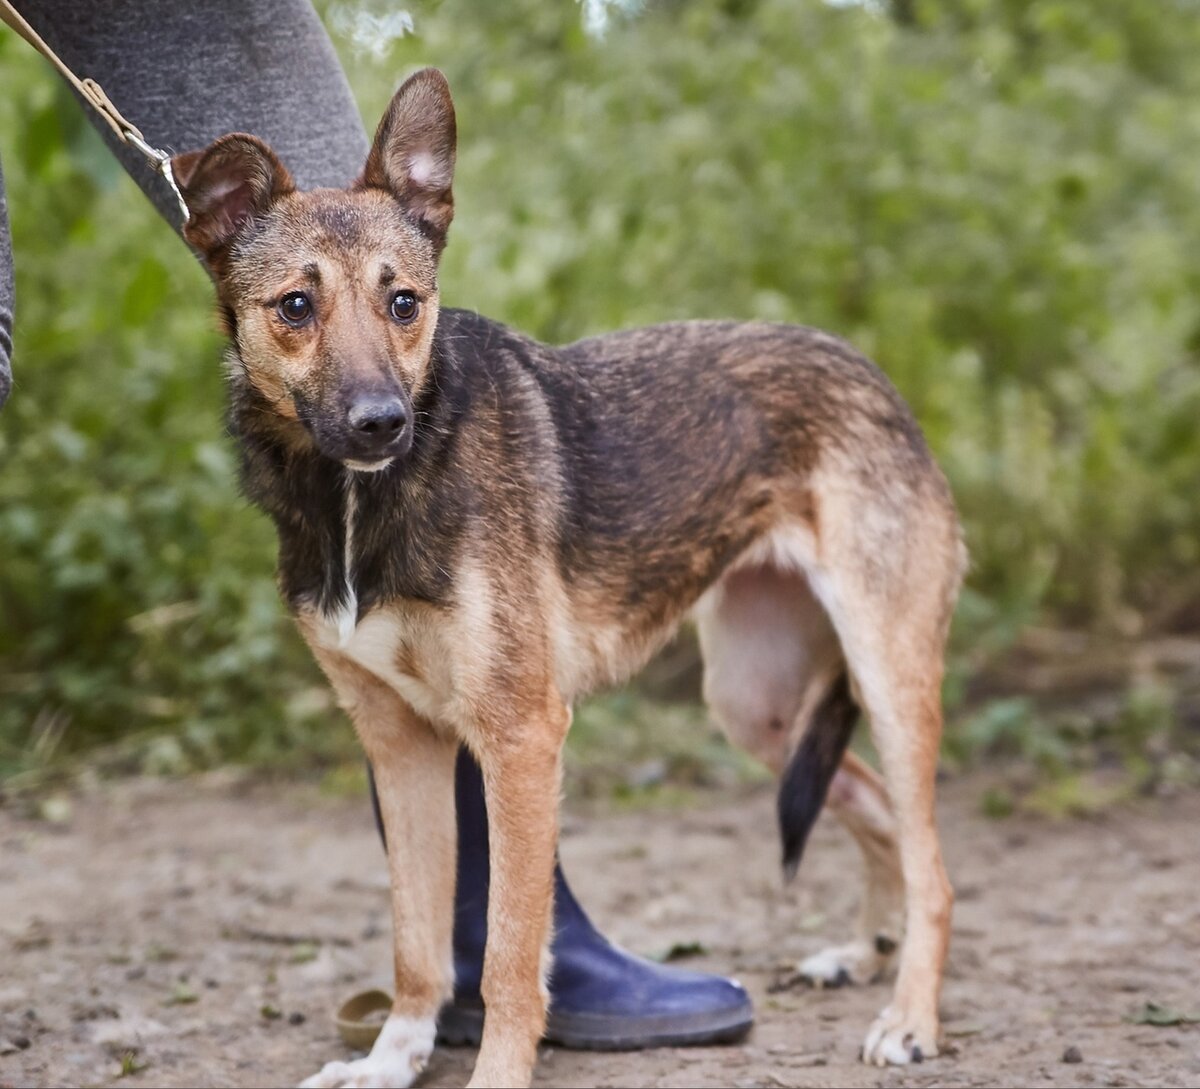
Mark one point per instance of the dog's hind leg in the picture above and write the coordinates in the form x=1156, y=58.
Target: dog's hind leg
x=775, y=678
x=771, y=668
x=858, y=798
x=414, y=778
x=892, y=561
x=905, y=712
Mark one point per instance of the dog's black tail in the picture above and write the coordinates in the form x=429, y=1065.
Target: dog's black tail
x=807, y=777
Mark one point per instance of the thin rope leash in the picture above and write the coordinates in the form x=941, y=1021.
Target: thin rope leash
x=93, y=94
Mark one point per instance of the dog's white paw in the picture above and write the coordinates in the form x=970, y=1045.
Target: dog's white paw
x=896, y=1039
x=855, y=962
x=399, y=1055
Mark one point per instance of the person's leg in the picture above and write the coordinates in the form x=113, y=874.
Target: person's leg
x=188, y=73
x=185, y=74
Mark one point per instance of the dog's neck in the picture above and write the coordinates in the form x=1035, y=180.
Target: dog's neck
x=349, y=540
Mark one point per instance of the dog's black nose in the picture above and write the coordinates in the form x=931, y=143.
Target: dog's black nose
x=378, y=419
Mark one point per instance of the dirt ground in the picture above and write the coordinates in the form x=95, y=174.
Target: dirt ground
x=209, y=926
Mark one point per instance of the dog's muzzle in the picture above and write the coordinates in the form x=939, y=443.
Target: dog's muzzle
x=376, y=422
x=377, y=428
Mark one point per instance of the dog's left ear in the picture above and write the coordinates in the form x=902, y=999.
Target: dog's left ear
x=413, y=153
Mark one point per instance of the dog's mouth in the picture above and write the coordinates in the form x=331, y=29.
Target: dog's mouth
x=368, y=466
x=362, y=456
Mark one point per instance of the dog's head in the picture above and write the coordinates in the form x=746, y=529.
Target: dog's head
x=331, y=295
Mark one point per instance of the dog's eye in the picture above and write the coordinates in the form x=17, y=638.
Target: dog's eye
x=404, y=306
x=295, y=308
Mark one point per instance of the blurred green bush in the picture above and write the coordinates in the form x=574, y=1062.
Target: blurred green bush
x=997, y=200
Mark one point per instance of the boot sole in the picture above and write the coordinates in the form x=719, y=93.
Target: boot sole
x=462, y=1026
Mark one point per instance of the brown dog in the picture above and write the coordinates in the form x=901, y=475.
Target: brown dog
x=476, y=530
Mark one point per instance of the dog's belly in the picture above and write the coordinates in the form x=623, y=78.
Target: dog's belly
x=590, y=653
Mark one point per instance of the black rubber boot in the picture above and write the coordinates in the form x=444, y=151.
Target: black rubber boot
x=601, y=997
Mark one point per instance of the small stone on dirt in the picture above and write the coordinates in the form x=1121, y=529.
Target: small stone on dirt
x=55, y=810
x=1072, y=1055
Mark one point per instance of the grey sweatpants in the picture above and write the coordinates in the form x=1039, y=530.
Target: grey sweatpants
x=188, y=73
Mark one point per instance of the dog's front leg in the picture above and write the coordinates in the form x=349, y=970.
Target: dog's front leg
x=414, y=776
x=520, y=755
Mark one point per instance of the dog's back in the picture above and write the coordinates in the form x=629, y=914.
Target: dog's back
x=639, y=465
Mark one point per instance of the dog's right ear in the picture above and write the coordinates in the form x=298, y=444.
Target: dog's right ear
x=225, y=186
x=413, y=153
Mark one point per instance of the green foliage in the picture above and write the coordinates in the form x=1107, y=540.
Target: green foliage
x=136, y=588
x=996, y=199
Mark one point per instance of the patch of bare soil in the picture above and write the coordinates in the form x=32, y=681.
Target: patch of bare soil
x=201, y=932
